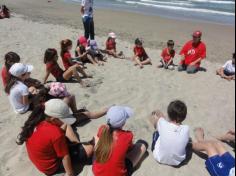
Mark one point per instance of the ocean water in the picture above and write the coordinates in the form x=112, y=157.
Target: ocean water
x=217, y=11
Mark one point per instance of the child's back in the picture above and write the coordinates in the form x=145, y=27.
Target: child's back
x=170, y=148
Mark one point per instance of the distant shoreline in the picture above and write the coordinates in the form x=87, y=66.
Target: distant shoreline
x=203, y=15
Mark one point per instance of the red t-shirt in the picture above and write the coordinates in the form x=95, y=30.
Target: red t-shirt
x=110, y=45
x=46, y=147
x=66, y=60
x=54, y=69
x=5, y=75
x=116, y=164
x=193, y=53
x=140, y=52
x=166, y=55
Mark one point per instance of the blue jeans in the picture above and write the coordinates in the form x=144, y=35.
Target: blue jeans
x=88, y=28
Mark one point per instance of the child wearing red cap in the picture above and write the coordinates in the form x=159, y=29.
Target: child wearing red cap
x=141, y=58
x=192, y=54
x=168, y=55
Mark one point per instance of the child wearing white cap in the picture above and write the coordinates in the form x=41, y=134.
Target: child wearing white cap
x=51, y=143
x=115, y=152
x=111, y=47
x=16, y=89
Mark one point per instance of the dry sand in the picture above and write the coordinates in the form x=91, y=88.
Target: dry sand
x=211, y=100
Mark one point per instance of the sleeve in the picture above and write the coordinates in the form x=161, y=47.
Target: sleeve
x=60, y=147
x=24, y=90
x=83, y=3
x=161, y=122
x=203, y=51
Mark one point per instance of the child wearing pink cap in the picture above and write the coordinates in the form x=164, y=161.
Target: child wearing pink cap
x=111, y=47
x=82, y=53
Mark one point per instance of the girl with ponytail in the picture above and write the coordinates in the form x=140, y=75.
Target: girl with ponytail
x=115, y=154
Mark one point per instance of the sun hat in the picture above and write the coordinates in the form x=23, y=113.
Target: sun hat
x=19, y=69
x=58, y=90
x=197, y=34
x=83, y=41
x=59, y=109
x=118, y=115
x=112, y=35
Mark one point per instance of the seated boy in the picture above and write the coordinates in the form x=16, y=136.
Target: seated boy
x=140, y=56
x=228, y=70
x=171, y=138
x=220, y=162
x=168, y=55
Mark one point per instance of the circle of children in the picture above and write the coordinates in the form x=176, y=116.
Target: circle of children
x=53, y=146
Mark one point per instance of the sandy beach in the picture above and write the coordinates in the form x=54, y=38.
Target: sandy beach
x=38, y=25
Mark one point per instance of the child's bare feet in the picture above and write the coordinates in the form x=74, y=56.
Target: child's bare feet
x=199, y=134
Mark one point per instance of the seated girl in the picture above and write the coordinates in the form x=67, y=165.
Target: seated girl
x=82, y=53
x=16, y=89
x=111, y=47
x=228, y=70
x=52, y=67
x=140, y=56
x=95, y=52
x=10, y=59
x=51, y=143
x=115, y=153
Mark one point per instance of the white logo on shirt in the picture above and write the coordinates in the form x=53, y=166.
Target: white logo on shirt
x=220, y=165
x=191, y=52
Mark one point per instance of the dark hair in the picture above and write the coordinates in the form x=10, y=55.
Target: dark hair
x=5, y=11
x=36, y=117
x=10, y=59
x=10, y=83
x=49, y=55
x=170, y=43
x=64, y=45
x=103, y=149
x=177, y=111
x=138, y=42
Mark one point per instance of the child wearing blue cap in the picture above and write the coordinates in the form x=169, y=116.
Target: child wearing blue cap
x=115, y=152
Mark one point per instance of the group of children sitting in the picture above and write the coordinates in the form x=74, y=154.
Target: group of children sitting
x=55, y=148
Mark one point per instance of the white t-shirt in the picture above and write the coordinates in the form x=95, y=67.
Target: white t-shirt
x=88, y=8
x=232, y=172
x=229, y=66
x=16, y=93
x=170, y=148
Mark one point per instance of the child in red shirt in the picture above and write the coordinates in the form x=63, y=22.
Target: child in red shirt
x=115, y=153
x=111, y=47
x=168, y=55
x=52, y=67
x=51, y=143
x=141, y=58
x=10, y=59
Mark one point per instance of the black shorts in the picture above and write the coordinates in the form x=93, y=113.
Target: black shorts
x=129, y=167
x=78, y=156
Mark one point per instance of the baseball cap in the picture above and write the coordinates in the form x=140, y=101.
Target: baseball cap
x=83, y=41
x=197, y=34
x=19, y=69
x=118, y=115
x=58, y=90
x=59, y=109
x=112, y=35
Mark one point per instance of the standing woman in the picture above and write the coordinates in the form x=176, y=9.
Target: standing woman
x=87, y=16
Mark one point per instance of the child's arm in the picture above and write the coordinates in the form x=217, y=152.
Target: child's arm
x=46, y=76
x=171, y=60
x=25, y=100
